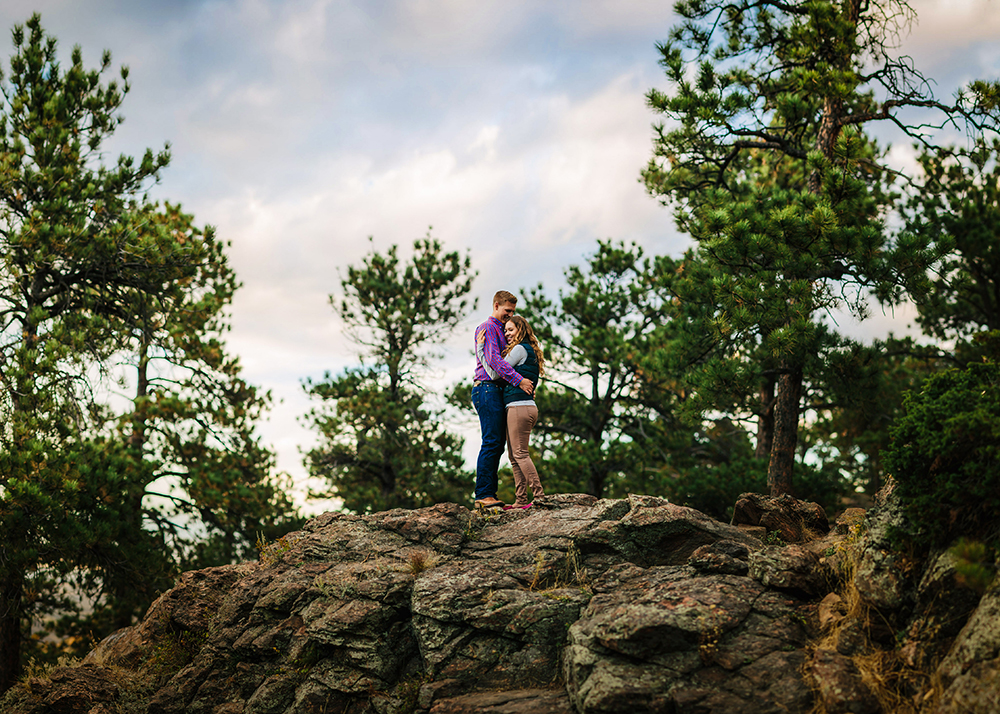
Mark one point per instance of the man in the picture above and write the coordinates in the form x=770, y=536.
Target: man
x=487, y=396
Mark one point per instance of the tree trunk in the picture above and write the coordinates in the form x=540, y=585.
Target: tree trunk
x=10, y=631
x=875, y=473
x=22, y=398
x=833, y=106
x=595, y=483
x=137, y=440
x=123, y=592
x=779, y=472
x=765, y=420
x=786, y=428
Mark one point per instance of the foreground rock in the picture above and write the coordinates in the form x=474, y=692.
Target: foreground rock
x=578, y=605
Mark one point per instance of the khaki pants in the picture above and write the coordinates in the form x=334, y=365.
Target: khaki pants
x=520, y=421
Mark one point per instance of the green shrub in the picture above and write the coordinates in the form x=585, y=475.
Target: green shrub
x=713, y=489
x=944, y=456
x=975, y=564
x=824, y=484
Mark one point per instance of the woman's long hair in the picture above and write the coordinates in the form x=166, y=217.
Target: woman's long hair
x=522, y=333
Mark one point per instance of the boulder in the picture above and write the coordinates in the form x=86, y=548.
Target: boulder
x=668, y=637
x=724, y=557
x=941, y=608
x=579, y=605
x=883, y=576
x=652, y=534
x=70, y=690
x=188, y=607
x=970, y=672
x=523, y=701
x=793, y=520
x=792, y=568
x=841, y=689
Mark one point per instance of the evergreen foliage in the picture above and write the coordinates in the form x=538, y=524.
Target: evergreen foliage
x=381, y=446
x=850, y=431
x=945, y=455
x=193, y=415
x=762, y=154
x=92, y=274
x=957, y=207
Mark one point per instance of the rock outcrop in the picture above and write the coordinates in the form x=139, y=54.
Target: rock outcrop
x=577, y=605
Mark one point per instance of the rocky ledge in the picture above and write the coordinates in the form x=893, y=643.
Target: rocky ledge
x=576, y=605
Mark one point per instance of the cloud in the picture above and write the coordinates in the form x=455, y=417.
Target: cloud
x=954, y=41
x=589, y=184
x=944, y=26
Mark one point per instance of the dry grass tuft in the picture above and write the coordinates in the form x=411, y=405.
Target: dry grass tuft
x=419, y=561
x=886, y=673
x=890, y=681
x=133, y=689
x=549, y=574
x=270, y=552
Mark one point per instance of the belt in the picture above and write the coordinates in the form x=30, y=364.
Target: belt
x=477, y=382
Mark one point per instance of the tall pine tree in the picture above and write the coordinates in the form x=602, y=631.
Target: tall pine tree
x=957, y=207
x=67, y=258
x=381, y=445
x=764, y=156
x=91, y=273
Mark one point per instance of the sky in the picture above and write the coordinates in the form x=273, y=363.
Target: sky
x=515, y=128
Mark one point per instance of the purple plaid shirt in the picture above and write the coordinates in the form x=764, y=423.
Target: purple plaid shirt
x=493, y=346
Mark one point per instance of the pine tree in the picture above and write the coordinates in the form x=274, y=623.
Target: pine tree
x=765, y=159
x=957, y=207
x=381, y=445
x=88, y=271
x=66, y=259
x=191, y=425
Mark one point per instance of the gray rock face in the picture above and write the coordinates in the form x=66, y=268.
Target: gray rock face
x=970, y=672
x=791, y=568
x=667, y=636
x=579, y=606
x=939, y=628
x=840, y=687
x=792, y=520
x=882, y=577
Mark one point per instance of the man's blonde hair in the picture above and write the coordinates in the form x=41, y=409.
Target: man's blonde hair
x=503, y=297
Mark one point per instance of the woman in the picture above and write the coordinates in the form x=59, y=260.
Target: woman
x=525, y=356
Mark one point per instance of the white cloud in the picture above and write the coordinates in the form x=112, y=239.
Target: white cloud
x=486, y=142
x=440, y=30
x=945, y=27
x=302, y=33
x=601, y=17
x=590, y=181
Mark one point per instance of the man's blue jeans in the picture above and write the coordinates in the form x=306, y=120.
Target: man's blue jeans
x=487, y=398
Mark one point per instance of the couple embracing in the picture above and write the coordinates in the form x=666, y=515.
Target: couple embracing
x=508, y=365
